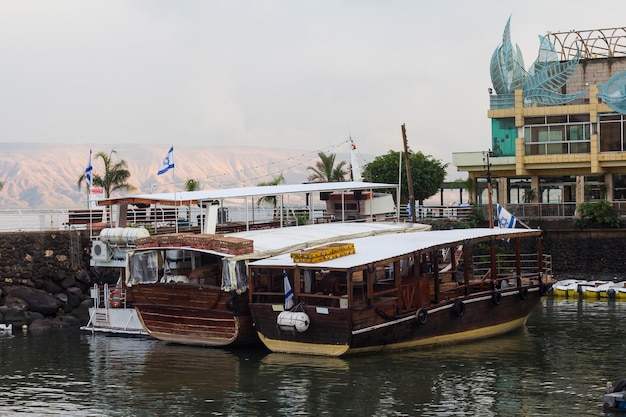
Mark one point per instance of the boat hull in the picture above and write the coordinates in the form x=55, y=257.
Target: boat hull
x=115, y=320
x=337, y=332
x=194, y=315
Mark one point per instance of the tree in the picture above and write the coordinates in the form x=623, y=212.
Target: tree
x=1, y=185
x=427, y=173
x=192, y=185
x=326, y=171
x=115, y=176
x=271, y=199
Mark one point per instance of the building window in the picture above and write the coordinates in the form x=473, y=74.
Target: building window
x=611, y=133
x=619, y=187
x=557, y=135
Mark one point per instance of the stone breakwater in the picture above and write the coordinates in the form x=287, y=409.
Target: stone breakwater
x=45, y=279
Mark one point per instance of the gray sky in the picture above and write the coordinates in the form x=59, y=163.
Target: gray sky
x=289, y=74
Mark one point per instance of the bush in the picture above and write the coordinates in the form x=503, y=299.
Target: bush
x=477, y=216
x=599, y=213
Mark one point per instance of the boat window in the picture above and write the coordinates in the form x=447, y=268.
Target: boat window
x=144, y=268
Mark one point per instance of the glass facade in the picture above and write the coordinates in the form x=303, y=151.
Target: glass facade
x=557, y=135
x=503, y=133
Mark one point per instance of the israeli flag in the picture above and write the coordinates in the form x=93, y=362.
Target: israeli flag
x=88, y=171
x=288, y=292
x=505, y=219
x=168, y=162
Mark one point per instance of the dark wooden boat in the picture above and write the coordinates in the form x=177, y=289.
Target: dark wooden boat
x=193, y=288
x=399, y=291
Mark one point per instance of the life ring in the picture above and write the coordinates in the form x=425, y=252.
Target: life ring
x=459, y=308
x=523, y=293
x=233, y=302
x=496, y=298
x=421, y=315
x=115, y=298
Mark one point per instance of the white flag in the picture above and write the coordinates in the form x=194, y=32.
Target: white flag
x=88, y=170
x=288, y=292
x=505, y=219
x=168, y=162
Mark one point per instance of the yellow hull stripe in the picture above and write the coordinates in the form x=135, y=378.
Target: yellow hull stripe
x=285, y=346
x=338, y=350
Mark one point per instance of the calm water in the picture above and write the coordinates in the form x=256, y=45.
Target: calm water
x=557, y=366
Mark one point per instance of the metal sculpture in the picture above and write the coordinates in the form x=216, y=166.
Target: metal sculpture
x=614, y=92
x=540, y=84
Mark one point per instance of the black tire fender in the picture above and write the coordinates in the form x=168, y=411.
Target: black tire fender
x=523, y=293
x=496, y=298
x=421, y=315
x=459, y=308
x=233, y=302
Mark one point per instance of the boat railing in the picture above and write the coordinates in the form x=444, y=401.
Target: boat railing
x=507, y=267
x=108, y=297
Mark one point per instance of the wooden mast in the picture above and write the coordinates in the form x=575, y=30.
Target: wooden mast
x=408, y=176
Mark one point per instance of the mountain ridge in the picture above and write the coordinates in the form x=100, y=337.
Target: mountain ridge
x=45, y=176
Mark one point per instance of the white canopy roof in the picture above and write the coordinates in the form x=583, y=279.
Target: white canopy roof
x=192, y=197
x=270, y=242
x=379, y=248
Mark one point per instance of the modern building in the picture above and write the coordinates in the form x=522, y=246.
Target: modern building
x=558, y=126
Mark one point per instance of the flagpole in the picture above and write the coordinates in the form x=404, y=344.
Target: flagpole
x=175, y=200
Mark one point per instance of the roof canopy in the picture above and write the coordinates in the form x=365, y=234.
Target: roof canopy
x=194, y=197
x=386, y=246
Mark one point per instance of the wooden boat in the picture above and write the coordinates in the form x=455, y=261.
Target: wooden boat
x=387, y=292
x=113, y=308
x=192, y=288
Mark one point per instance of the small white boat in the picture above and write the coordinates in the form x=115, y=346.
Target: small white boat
x=614, y=291
x=110, y=314
x=6, y=328
x=566, y=288
x=591, y=290
x=620, y=292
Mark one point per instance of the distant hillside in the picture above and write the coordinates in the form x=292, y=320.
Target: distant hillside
x=44, y=176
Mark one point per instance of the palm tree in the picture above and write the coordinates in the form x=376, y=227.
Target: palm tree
x=192, y=185
x=279, y=179
x=115, y=177
x=326, y=171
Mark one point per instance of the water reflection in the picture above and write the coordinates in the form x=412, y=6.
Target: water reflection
x=558, y=366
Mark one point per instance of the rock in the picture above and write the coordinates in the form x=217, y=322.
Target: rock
x=45, y=324
x=82, y=312
x=84, y=277
x=73, y=300
x=17, y=316
x=50, y=286
x=12, y=301
x=69, y=281
x=37, y=300
x=61, y=297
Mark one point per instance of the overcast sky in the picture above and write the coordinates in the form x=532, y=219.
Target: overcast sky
x=289, y=74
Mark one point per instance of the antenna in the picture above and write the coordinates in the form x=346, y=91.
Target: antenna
x=356, y=170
